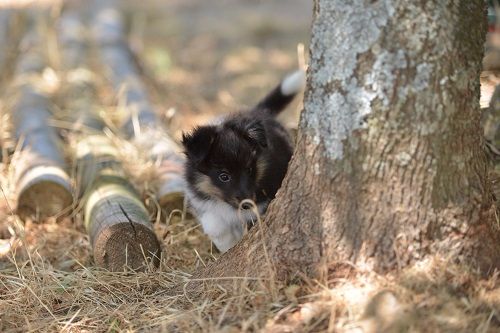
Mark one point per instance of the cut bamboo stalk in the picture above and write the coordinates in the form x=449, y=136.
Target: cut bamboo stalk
x=142, y=125
x=42, y=185
x=5, y=18
x=3, y=136
x=4, y=37
x=11, y=26
x=115, y=218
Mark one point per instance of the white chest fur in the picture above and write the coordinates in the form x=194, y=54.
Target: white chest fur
x=223, y=223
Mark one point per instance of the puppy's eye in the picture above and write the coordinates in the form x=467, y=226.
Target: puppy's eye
x=224, y=177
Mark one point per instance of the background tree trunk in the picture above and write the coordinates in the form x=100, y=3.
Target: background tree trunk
x=389, y=166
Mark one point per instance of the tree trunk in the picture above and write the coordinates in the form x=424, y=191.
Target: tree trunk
x=388, y=166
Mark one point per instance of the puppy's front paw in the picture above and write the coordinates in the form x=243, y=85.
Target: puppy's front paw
x=224, y=241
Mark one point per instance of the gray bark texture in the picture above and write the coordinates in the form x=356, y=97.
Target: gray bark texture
x=389, y=166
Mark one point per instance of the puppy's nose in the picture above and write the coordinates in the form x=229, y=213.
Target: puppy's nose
x=246, y=205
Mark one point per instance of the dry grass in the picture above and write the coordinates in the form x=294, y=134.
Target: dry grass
x=47, y=278
x=46, y=288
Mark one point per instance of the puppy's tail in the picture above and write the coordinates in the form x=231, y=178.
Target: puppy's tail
x=282, y=94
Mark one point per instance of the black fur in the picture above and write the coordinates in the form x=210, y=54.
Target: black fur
x=251, y=148
x=274, y=102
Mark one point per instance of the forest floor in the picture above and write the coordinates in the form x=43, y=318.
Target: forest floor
x=200, y=59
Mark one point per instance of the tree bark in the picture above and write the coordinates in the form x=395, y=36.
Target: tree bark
x=389, y=166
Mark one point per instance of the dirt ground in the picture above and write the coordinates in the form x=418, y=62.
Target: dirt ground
x=200, y=59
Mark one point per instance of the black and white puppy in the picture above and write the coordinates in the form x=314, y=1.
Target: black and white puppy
x=243, y=156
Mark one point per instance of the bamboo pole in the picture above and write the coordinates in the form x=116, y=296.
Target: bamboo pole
x=4, y=28
x=5, y=18
x=115, y=218
x=43, y=187
x=11, y=29
x=142, y=125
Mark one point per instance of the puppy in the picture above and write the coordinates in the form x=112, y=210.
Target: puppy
x=243, y=156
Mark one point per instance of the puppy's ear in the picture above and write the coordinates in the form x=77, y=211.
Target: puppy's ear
x=256, y=133
x=197, y=143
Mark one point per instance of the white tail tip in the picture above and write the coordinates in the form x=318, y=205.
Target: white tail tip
x=293, y=83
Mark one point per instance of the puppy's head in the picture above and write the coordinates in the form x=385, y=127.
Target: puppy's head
x=223, y=160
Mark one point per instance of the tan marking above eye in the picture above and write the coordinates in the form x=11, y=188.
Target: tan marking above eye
x=260, y=168
x=204, y=184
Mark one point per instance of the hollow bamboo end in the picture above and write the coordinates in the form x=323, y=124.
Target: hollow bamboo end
x=126, y=245
x=171, y=201
x=171, y=193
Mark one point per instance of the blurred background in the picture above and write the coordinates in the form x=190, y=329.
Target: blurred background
x=209, y=57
